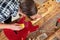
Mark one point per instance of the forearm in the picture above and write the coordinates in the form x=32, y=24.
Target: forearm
x=4, y=26
x=10, y=26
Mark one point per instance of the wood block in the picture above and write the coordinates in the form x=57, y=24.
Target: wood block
x=47, y=4
x=40, y=22
x=42, y=10
x=46, y=18
x=56, y=34
x=42, y=36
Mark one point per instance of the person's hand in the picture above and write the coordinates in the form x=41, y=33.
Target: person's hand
x=15, y=27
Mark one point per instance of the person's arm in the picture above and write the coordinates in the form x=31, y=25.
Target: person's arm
x=10, y=26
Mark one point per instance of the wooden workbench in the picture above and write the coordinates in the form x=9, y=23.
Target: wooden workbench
x=51, y=12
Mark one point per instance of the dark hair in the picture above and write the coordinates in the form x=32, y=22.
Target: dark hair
x=28, y=7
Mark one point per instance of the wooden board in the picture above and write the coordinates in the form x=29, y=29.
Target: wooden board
x=56, y=34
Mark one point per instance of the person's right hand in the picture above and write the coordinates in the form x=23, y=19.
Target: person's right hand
x=15, y=27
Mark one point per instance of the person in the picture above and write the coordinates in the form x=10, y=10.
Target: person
x=26, y=8
x=8, y=8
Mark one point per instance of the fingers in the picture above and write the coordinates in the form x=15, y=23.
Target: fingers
x=15, y=27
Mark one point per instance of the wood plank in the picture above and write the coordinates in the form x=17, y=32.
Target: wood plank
x=56, y=34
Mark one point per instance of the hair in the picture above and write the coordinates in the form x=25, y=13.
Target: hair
x=28, y=7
